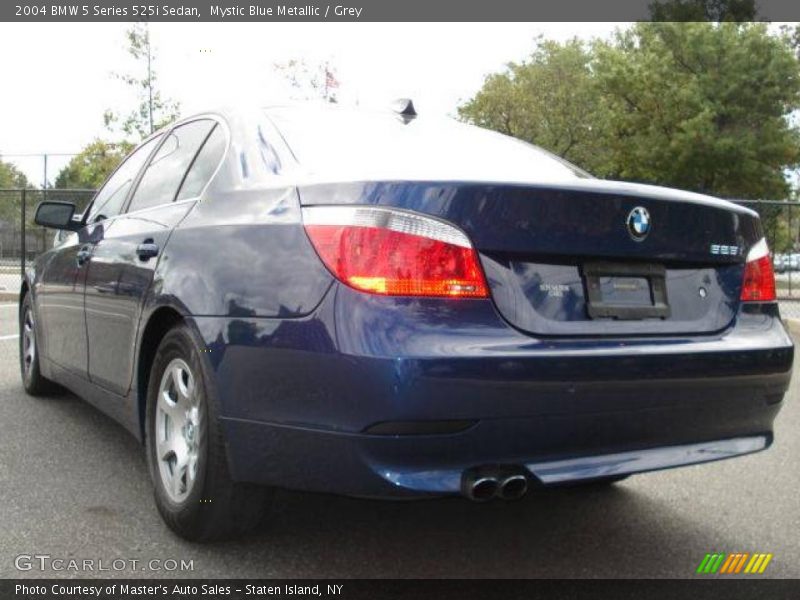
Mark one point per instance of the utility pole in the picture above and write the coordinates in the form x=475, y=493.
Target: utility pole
x=44, y=181
x=149, y=75
x=22, y=244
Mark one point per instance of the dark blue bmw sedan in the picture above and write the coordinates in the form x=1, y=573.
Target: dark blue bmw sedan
x=387, y=305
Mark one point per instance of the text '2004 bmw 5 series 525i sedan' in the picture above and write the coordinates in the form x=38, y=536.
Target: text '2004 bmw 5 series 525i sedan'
x=388, y=305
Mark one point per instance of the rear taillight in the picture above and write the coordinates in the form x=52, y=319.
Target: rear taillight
x=759, y=278
x=394, y=252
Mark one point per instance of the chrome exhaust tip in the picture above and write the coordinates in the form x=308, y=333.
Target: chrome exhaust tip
x=513, y=487
x=483, y=489
x=479, y=484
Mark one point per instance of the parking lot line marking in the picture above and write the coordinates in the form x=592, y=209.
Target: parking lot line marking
x=8, y=337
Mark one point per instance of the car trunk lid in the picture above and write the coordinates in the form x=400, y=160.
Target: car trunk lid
x=588, y=258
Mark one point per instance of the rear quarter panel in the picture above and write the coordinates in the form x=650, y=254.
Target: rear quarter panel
x=243, y=253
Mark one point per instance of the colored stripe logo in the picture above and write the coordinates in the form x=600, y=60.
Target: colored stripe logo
x=734, y=563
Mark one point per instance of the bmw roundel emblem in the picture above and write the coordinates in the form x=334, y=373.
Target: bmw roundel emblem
x=639, y=223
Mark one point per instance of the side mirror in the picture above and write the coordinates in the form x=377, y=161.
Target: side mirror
x=56, y=215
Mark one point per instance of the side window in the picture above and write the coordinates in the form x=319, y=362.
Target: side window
x=109, y=200
x=164, y=174
x=204, y=165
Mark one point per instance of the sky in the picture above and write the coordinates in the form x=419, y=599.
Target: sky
x=58, y=78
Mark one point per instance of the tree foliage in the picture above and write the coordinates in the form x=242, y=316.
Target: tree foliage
x=153, y=111
x=12, y=177
x=309, y=81
x=549, y=99
x=700, y=106
x=10, y=202
x=704, y=10
x=703, y=106
x=90, y=168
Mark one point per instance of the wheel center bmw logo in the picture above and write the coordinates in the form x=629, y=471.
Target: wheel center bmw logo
x=639, y=223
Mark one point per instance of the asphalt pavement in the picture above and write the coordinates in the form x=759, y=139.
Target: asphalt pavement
x=74, y=485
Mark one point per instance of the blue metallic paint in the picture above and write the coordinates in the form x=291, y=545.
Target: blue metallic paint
x=585, y=218
x=302, y=365
x=528, y=235
x=298, y=393
x=569, y=470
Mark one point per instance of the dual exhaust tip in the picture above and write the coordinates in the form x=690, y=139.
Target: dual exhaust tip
x=481, y=484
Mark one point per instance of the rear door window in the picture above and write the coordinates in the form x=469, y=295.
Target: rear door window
x=204, y=165
x=164, y=174
x=109, y=200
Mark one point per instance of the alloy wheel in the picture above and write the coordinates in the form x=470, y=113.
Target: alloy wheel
x=179, y=426
x=28, y=342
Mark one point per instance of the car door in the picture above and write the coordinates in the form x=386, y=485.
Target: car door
x=124, y=261
x=61, y=286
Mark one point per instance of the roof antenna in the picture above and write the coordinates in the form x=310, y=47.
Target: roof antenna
x=405, y=108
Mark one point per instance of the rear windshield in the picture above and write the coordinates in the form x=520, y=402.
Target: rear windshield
x=361, y=145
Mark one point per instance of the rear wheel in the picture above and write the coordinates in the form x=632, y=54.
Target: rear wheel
x=186, y=454
x=33, y=381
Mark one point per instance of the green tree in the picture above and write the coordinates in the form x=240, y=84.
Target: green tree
x=90, y=168
x=12, y=177
x=153, y=111
x=10, y=202
x=550, y=99
x=703, y=10
x=702, y=106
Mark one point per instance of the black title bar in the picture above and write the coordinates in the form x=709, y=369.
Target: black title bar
x=354, y=10
x=711, y=588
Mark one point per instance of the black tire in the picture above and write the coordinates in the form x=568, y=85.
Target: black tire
x=215, y=507
x=32, y=380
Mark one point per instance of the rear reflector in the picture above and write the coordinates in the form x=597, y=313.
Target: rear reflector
x=759, y=279
x=395, y=253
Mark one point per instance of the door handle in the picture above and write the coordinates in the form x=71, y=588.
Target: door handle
x=147, y=250
x=83, y=255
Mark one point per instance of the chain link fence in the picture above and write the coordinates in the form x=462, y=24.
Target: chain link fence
x=781, y=222
x=20, y=239
x=20, y=242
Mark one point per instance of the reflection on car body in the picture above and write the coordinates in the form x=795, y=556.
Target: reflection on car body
x=390, y=305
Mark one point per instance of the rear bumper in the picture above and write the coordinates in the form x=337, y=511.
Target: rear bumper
x=299, y=397
x=554, y=448
x=640, y=461
x=409, y=467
